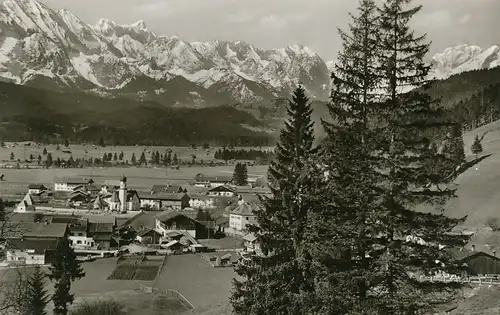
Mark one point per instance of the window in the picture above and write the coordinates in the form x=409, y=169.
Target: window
x=247, y=218
x=80, y=234
x=78, y=242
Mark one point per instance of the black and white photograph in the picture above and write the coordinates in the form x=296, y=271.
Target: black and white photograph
x=249, y=157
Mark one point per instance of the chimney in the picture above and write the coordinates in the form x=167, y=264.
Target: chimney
x=473, y=247
x=495, y=253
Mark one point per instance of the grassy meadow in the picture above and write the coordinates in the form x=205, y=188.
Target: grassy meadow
x=23, y=152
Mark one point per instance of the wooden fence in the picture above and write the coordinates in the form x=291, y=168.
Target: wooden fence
x=170, y=293
x=491, y=280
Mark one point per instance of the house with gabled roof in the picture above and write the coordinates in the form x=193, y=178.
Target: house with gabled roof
x=174, y=221
x=201, y=180
x=34, y=189
x=160, y=201
x=222, y=191
x=70, y=183
x=242, y=216
x=26, y=204
x=29, y=252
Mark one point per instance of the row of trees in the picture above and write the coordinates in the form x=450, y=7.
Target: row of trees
x=341, y=233
x=252, y=154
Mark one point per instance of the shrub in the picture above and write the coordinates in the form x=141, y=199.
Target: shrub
x=99, y=307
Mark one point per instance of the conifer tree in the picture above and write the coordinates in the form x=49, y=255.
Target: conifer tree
x=142, y=159
x=476, y=147
x=276, y=281
x=342, y=203
x=12, y=156
x=115, y=157
x=44, y=152
x=453, y=148
x=133, y=159
x=65, y=268
x=37, y=297
x=48, y=160
x=175, y=160
x=120, y=157
x=408, y=117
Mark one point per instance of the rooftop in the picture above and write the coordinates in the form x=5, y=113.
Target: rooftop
x=245, y=209
x=32, y=229
x=39, y=246
x=162, y=196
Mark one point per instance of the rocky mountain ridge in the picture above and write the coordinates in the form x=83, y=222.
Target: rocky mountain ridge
x=55, y=49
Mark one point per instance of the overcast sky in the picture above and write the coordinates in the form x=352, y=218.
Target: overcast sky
x=277, y=23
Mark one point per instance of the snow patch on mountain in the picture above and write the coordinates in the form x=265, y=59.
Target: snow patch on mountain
x=81, y=63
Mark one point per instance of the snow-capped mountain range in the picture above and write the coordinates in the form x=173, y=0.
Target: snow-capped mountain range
x=464, y=58
x=56, y=50
x=40, y=46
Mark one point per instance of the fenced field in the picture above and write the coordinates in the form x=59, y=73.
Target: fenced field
x=144, y=268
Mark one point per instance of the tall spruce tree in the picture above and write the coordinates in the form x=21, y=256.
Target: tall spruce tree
x=65, y=268
x=275, y=280
x=341, y=204
x=409, y=117
x=37, y=297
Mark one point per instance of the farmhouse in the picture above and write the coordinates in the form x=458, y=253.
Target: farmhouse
x=222, y=191
x=79, y=236
x=241, y=217
x=34, y=189
x=173, y=221
x=159, y=201
x=26, y=231
x=70, y=183
x=211, y=181
x=102, y=234
x=149, y=236
x=201, y=202
x=29, y=252
x=479, y=262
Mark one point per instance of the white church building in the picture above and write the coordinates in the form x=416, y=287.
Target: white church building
x=123, y=199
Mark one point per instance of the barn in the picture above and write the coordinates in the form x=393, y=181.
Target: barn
x=480, y=263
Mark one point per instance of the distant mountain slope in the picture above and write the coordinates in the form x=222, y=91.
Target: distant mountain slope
x=55, y=49
x=42, y=115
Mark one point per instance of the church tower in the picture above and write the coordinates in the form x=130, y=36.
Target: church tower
x=122, y=194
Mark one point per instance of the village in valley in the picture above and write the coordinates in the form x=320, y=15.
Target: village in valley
x=159, y=238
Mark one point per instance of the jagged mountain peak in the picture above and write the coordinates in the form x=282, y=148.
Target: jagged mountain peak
x=109, y=57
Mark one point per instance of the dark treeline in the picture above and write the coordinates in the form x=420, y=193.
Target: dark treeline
x=241, y=154
x=479, y=109
x=30, y=114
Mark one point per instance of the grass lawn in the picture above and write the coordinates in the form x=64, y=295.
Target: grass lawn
x=23, y=152
x=136, y=302
x=203, y=285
